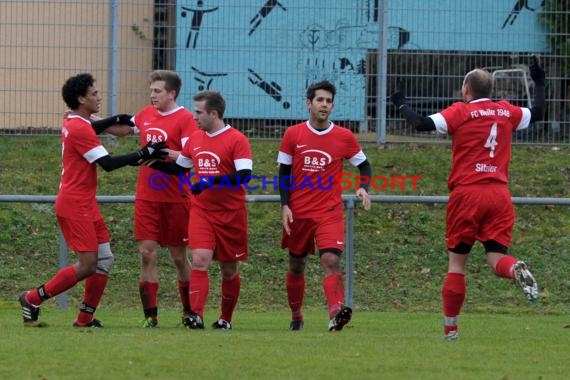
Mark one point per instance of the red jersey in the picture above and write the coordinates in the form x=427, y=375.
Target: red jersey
x=481, y=133
x=316, y=158
x=174, y=128
x=216, y=154
x=80, y=148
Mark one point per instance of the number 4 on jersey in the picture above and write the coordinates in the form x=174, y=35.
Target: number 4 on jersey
x=492, y=140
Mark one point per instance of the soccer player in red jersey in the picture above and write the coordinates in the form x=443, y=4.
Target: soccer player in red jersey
x=221, y=158
x=480, y=206
x=310, y=160
x=76, y=206
x=161, y=205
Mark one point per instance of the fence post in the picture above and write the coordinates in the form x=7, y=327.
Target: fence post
x=382, y=69
x=349, y=252
x=62, y=264
x=114, y=25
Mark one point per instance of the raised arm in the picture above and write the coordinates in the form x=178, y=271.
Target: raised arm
x=538, y=76
x=421, y=123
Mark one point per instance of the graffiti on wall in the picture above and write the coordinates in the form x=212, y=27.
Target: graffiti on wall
x=263, y=54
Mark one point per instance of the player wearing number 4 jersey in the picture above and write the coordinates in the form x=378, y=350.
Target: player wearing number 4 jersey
x=480, y=206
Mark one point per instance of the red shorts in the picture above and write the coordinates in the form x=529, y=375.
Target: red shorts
x=163, y=222
x=326, y=231
x=83, y=236
x=225, y=232
x=480, y=212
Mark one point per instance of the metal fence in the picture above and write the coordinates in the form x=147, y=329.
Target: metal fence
x=262, y=54
x=350, y=202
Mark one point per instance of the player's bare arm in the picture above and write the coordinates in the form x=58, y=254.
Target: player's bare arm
x=366, y=201
x=287, y=219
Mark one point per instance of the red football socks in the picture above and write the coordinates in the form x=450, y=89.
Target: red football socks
x=230, y=295
x=504, y=267
x=184, y=291
x=333, y=287
x=94, y=288
x=453, y=292
x=65, y=279
x=199, y=288
x=149, y=295
x=295, y=293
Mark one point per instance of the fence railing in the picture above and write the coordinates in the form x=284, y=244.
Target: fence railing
x=350, y=202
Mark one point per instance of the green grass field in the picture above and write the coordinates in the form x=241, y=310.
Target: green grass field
x=400, y=262
x=375, y=345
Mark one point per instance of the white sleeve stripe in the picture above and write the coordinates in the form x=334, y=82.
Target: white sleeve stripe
x=440, y=123
x=184, y=161
x=243, y=163
x=95, y=154
x=136, y=129
x=357, y=159
x=284, y=158
x=525, y=120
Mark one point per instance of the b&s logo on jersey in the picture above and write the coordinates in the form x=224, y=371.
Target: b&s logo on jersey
x=155, y=135
x=208, y=163
x=315, y=160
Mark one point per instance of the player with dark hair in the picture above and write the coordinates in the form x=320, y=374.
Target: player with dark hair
x=76, y=206
x=221, y=157
x=480, y=206
x=314, y=151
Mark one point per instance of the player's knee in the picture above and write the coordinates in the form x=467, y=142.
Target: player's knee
x=334, y=251
x=85, y=268
x=494, y=246
x=330, y=259
x=180, y=261
x=105, y=258
x=148, y=257
x=461, y=248
x=229, y=270
x=297, y=264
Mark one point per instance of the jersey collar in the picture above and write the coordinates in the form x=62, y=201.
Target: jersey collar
x=320, y=132
x=219, y=132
